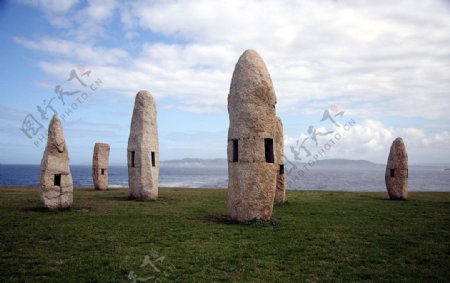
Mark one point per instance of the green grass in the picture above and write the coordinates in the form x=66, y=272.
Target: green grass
x=315, y=237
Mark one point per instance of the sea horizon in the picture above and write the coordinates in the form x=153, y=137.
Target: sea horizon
x=348, y=175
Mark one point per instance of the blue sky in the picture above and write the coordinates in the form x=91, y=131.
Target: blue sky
x=386, y=65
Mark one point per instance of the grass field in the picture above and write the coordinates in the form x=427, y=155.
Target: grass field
x=184, y=237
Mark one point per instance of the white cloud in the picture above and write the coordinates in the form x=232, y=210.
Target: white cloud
x=196, y=77
x=378, y=60
x=90, y=22
x=52, y=6
x=85, y=23
x=326, y=50
x=74, y=51
x=371, y=140
x=100, y=10
x=55, y=11
x=373, y=59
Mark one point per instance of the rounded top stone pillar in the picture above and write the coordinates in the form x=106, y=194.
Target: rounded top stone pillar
x=396, y=176
x=252, y=172
x=251, y=101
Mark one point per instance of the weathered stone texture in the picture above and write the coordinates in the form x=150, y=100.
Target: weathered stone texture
x=143, y=153
x=100, y=166
x=280, y=193
x=56, y=187
x=252, y=167
x=396, y=176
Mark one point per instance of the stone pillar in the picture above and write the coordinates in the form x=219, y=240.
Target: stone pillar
x=143, y=153
x=396, y=176
x=252, y=170
x=100, y=166
x=56, y=187
x=280, y=192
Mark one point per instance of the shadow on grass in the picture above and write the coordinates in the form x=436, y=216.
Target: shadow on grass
x=223, y=219
x=57, y=210
x=394, y=200
x=130, y=198
x=286, y=203
x=372, y=197
x=46, y=210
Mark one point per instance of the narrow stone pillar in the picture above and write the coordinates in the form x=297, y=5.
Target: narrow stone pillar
x=396, y=176
x=143, y=153
x=280, y=193
x=252, y=168
x=100, y=166
x=56, y=187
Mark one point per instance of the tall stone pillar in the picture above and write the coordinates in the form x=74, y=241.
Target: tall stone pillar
x=143, y=153
x=280, y=192
x=252, y=168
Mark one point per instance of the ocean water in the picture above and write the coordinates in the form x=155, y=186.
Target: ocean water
x=192, y=177
x=421, y=178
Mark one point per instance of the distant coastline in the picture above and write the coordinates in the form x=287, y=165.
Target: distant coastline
x=327, y=175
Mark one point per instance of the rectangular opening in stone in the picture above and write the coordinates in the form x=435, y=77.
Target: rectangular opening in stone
x=153, y=159
x=132, y=159
x=268, y=149
x=235, y=151
x=407, y=173
x=281, y=169
x=57, y=181
x=392, y=173
x=103, y=171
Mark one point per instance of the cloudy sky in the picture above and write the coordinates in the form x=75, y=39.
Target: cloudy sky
x=386, y=64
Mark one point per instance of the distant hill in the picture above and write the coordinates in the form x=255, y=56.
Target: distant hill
x=346, y=163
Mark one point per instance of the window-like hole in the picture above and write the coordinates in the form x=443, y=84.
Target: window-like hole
x=407, y=172
x=153, y=159
x=132, y=159
x=392, y=173
x=103, y=171
x=57, y=181
x=268, y=149
x=235, y=151
x=281, y=169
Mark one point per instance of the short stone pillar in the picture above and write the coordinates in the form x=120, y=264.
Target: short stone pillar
x=100, y=166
